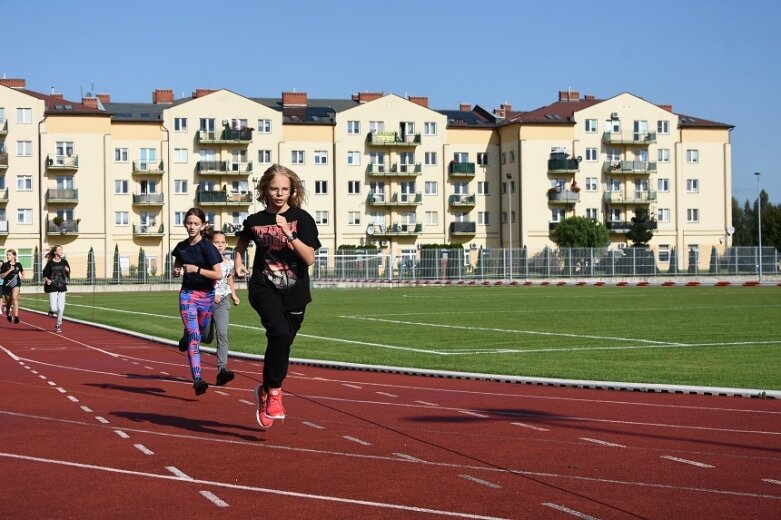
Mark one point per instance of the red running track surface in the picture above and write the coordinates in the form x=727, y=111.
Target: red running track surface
x=97, y=424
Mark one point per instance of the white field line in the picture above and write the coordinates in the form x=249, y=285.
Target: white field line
x=571, y=512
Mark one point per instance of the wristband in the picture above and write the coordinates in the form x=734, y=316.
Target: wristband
x=199, y=270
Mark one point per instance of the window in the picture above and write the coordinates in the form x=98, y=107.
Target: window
x=692, y=185
x=508, y=185
x=377, y=160
x=321, y=157
x=430, y=158
x=353, y=127
x=614, y=185
x=376, y=126
x=432, y=218
x=592, y=213
x=557, y=215
x=180, y=186
x=24, y=148
x=321, y=187
x=353, y=218
x=663, y=127
x=120, y=155
x=297, y=157
x=692, y=156
x=692, y=215
x=121, y=186
x=24, y=115
x=179, y=218
x=591, y=184
x=591, y=126
x=24, y=216
x=430, y=187
x=592, y=154
x=664, y=252
x=321, y=218
x=354, y=187
x=264, y=126
x=613, y=154
x=180, y=124
x=429, y=128
x=614, y=125
x=663, y=184
x=264, y=156
x=64, y=183
x=512, y=156
x=147, y=158
x=24, y=183
x=482, y=158
x=2, y=187
x=483, y=218
x=504, y=157
x=663, y=155
x=663, y=215
x=121, y=218
x=407, y=128
x=181, y=155
x=482, y=188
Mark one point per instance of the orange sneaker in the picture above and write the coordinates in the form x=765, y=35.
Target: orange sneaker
x=260, y=411
x=274, y=408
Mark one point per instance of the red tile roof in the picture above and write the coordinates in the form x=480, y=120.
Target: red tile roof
x=58, y=105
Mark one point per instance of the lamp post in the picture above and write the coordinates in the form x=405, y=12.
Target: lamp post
x=510, y=219
x=759, y=226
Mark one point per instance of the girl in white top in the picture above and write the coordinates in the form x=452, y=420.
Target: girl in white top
x=224, y=290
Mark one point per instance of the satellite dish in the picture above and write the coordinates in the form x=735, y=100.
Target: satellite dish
x=730, y=230
x=370, y=230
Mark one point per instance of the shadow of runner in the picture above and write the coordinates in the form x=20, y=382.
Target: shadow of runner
x=187, y=423
x=149, y=390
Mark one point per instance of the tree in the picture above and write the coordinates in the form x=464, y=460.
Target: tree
x=640, y=231
x=580, y=232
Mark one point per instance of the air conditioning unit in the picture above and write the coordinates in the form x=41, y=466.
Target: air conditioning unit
x=385, y=243
x=614, y=115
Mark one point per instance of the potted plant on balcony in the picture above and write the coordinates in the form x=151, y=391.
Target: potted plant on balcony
x=57, y=221
x=574, y=187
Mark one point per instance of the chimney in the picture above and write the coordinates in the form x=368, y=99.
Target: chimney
x=200, y=92
x=588, y=96
x=13, y=83
x=567, y=95
x=163, y=96
x=669, y=108
x=294, y=99
x=420, y=100
x=57, y=96
x=91, y=102
x=499, y=112
x=104, y=98
x=365, y=97
x=506, y=108
x=465, y=107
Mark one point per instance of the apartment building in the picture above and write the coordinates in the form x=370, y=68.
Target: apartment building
x=106, y=178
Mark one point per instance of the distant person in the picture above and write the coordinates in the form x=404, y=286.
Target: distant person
x=224, y=294
x=12, y=274
x=285, y=238
x=198, y=262
x=56, y=274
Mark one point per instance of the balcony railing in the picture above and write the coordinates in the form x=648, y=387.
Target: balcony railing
x=392, y=139
x=406, y=169
x=563, y=196
x=622, y=226
x=639, y=138
x=3, y=126
x=396, y=230
x=3, y=227
x=62, y=162
x=222, y=198
x=148, y=168
x=563, y=165
x=635, y=197
x=230, y=229
x=629, y=167
x=148, y=199
x=211, y=167
x=4, y=196
x=3, y=160
x=463, y=228
x=396, y=199
x=148, y=230
x=461, y=169
x=66, y=227
x=62, y=195
x=462, y=200
x=225, y=136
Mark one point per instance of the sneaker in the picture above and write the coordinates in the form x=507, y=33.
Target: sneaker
x=274, y=408
x=200, y=386
x=224, y=376
x=16, y=319
x=58, y=328
x=260, y=412
x=51, y=314
x=183, y=344
x=8, y=316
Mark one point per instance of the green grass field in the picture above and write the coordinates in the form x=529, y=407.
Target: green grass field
x=712, y=336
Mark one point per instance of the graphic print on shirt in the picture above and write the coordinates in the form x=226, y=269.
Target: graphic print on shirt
x=279, y=265
x=58, y=276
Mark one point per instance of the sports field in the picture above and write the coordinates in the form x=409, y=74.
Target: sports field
x=711, y=336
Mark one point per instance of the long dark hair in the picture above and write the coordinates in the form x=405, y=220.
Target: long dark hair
x=208, y=231
x=51, y=252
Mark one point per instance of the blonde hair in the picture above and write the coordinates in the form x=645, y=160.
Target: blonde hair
x=297, y=194
x=12, y=251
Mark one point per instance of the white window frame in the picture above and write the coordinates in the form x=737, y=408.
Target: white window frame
x=264, y=126
x=354, y=187
x=179, y=217
x=663, y=214
x=483, y=218
x=692, y=156
x=663, y=253
x=430, y=158
x=353, y=127
x=24, y=148
x=353, y=158
x=663, y=155
x=592, y=184
x=590, y=126
x=180, y=124
x=592, y=213
x=24, y=216
x=692, y=215
x=121, y=155
x=321, y=187
x=692, y=185
x=663, y=127
x=663, y=185
x=121, y=218
x=121, y=186
x=432, y=218
x=321, y=218
x=483, y=188
x=264, y=157
x=353, y=218
x=592, y=154
x=24, y=116
x=321, y=157
x=181, y=155
x=430, y=188
x=24, y=183
x=297, y=157
x=430, y=128
x=181, y=186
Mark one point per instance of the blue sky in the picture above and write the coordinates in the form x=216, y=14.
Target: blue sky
x=714, y=59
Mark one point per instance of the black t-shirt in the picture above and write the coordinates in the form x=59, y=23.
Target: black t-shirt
x=203, y=254
x=276, y=265
x=56, y=272
x=12, y=279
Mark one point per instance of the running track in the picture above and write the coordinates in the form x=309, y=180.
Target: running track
x=97, y=424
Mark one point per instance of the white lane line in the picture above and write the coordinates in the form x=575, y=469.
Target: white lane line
x=86, y=409
x=426, y=403
x=772, y=481
x=352, y=386
x=73, y=398
x=386, y=394
x=143, y=449
x=251, y=403
x=122, y=434
x=530, y=426
x=101, y=420
x=576, y=514
x=220, y=392
x=165, y=373
x=280, y=492
x=52, y=383
x=41, y=376
x=408, y=457
x=214, y=499
x=149, y=368
x=474, y=414
x=687, y=461
x=60, y=389
x=602, y=443
x=179, y=473
x=481, y=481
x=356, y=440
x=313, y=425
x=34, y=371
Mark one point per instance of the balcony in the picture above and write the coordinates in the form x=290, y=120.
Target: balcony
x=395, y=230
x=65, y=227
x=463, y=228
x=62, y=196
x=148, y=199
x=225, y=136
x=397, y=199
x=62, y=162
x=239, y=168
x=633, y=138
x=3, y=127
x=622, y=226
x=635, y=197
x=229, y=229
x=211, y=167
x=4, y=196
x=563, y=166
x=629, y=167
x=557, y=196
x=3, y=160
x=146, y=230
x=461, y=169
x=392, y=139
x=148, y=168
x=462, y=200
x=3, y=227
x=222, y=198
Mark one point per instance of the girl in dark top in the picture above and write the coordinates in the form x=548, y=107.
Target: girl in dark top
x=198, y=262
x=56, y=274
x=12, y=273
x=285, y=237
